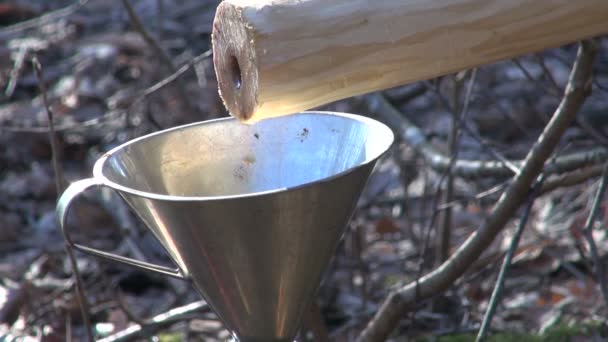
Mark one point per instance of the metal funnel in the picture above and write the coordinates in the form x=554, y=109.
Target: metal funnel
x=250, y=213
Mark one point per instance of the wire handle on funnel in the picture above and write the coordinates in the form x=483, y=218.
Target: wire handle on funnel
x=62, y=210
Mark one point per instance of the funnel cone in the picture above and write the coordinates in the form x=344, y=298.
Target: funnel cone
x=250, y=213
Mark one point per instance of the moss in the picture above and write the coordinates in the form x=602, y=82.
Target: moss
x=559, y=333
x=170, y=337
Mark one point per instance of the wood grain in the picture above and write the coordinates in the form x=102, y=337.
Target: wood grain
x=276, y=57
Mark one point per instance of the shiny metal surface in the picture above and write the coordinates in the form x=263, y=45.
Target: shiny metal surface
x=250, y=213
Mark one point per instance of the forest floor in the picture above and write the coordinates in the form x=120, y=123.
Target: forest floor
x=99, y=75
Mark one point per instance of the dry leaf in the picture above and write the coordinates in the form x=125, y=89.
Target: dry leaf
x=386, y=225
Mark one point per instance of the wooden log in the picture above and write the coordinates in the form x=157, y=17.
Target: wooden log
x=275, y=57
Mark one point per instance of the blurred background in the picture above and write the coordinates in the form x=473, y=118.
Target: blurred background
x=116, y=70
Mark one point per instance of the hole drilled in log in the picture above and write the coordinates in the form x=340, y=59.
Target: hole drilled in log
x=235, y=72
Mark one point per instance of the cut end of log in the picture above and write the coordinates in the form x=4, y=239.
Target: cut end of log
x=234, y=61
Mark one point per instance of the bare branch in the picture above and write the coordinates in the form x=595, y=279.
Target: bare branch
x=553, y=91
x=164, y=57
x=465, y=127
x=446, y=218
x=400, y=300
x=139, y=27
x=122, y=104
x=500, y=281
x=158, y=322
x=59, y=183
x=414, y=137
x=175, y=75
x=572, y=178
x=44, y=19
x=59, y=178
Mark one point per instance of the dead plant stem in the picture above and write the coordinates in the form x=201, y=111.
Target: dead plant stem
x=500, y=281
x=84, y=305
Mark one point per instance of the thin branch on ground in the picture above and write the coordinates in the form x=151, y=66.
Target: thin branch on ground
x=560, y=181
x=541, y=61
x=571, y=179
x=446, y=173
x=158, y=322
x=500, y=281
x=402, y=299
x=600, y=271
x=42, y=20
x=59, y=184
x=470, y=169
x=505, y=112
x=427, y=235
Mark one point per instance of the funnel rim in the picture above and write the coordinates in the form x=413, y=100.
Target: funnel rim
x=99, y=164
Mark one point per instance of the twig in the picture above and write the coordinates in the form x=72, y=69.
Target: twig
x=579, y=121
x=115, y=114
x=470, y=169
x=588, y=232
x=59, y=178
x=500, y=281
x=446, y=218
x=561, y=181
x=553, y=93
x=174, y=76
x=139, y=27
x=465, y=126
x=572, y=178
x=444, y=232
x=164, y=57
x=541, y=61
x=158, y=322
x=400, y=300
x=16, y=70
x=65, y=127
x=84, y=305
x=592, y=131
x=427, y=236
x=54, y=15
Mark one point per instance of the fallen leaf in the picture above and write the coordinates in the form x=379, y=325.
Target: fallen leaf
x=386, y=225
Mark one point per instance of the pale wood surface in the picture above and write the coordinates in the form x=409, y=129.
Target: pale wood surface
x=294, y=55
